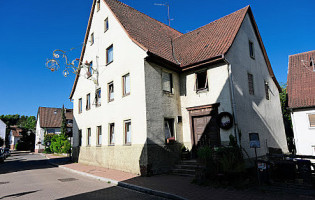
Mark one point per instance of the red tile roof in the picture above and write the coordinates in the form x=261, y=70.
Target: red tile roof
x=301, y=79
x=211, y=41
x=51, y=117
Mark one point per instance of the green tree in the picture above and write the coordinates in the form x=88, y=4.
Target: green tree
x=64, y=122
x=284, y=103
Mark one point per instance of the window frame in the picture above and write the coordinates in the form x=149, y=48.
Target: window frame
x=251, y=49
x=106, y=24
x=92, y=38
x=88, y=102
x=89, y=137
x=99, y=133
x=267, y=95
x=90, y=69
x=126, y=143
x=98, y=5
x=108, y=91
x=309, y=120
x=125, y=93
x=171, y=82
x=98, y=97
x=107, y=50
x=111, y=134
x=80, y=105
x=250, y=92
x=206, y=88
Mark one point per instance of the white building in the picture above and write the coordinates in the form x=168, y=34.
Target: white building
x=301, y=93
x=3, y=128
x=14, y=136
x=158, y=88
x=49, y=120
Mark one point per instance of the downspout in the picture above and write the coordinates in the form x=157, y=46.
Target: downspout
x=229, y=68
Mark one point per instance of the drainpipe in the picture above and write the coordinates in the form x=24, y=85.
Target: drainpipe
x=229, y=68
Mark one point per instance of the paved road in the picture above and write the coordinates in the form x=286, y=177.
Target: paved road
x=29, y=176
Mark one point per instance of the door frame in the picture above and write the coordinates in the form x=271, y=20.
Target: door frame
x=200, y=111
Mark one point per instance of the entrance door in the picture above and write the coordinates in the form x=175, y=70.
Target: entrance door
x=205, y=131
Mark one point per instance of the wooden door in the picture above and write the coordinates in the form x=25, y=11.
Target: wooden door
x=205, y=131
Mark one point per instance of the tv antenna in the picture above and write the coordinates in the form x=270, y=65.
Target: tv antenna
x=309, y=64
x=168, y=11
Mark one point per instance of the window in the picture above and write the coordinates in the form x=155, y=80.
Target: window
x=99, y=135
x=88, y=102
x=80, y=105
x=98, y=97
x=88, y=136
x=167, y=81
x=90, y=69
x=201, y=81
x=169, y=130
x=109, y=55
x=267, y=90
x=250, y=84
x=80, y=137
x=106, y=25
x=98, y=5
x=126, y=85
x=127, y=132
x=251, y=49
x=112, y=134
x=110, y=91
x=92, y=39
x=311, y=118
x=51, y=131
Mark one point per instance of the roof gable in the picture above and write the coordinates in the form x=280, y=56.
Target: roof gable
x=301, y=88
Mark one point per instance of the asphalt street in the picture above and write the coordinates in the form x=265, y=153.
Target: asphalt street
x=26, y=175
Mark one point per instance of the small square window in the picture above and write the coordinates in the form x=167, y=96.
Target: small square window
x=92, y=39
x=109, y=54
x=126, y=85
x=106, y=25
x=311, y=118
x=127, y=132
x=110, y=91
x=251, y=49
x=88, y=136
x=99, y=135
x=267, y=90
x=80, y=105
x=88, y=102
x=98, y=97
x=112, y=134
x=90, y=69
x=98, y=5
x=169, y=130
x=201, y=81
x=167, y=81
x=250, y=84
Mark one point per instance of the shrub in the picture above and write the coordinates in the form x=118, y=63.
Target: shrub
x=60, y=144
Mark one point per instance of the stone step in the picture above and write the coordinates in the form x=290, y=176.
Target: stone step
x=182, y=166
x=181, y=174
x=184, y=171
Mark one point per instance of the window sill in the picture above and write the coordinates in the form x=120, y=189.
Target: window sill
x=202, y=90
x=88, y=145
x=168, y=93
x=252, y=57
x=110, y=100
x=88, y=109
x=125, y=95
x=129, y=144
x=109, y=63
x=99, y=145
x=111, y=145
x=105, y=30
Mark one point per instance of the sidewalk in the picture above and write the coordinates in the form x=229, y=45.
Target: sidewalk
x=171, y=186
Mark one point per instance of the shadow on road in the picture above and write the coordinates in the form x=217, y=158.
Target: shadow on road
x=19, y=194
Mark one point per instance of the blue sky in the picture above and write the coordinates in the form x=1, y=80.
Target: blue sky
x=31, y=30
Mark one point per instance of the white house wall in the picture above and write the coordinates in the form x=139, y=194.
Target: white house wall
x=254, y=112
x=304, y=135
x=128, y=58
x=2, y=130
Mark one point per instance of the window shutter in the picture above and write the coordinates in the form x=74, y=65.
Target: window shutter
x=311, y=118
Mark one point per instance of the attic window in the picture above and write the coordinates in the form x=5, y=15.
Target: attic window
x=267, y=90
x=201, y=81
x=251, y=49
x=55, y=112
x=311, y=118
x=92, y=39
x=98, y=5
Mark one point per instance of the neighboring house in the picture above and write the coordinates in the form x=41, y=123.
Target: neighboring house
x=15, y=136
x=301, y=94
x=158, y=88
x=3, y=128
x=49, y=121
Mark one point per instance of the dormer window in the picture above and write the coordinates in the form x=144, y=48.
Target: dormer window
x=201, y=81
x=98, y=5
x=251, y=49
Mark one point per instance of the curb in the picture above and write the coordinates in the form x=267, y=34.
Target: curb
x=121, y=183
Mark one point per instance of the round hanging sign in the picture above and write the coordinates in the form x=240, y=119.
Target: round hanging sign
x=225, y=120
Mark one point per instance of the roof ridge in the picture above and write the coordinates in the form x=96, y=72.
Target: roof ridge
x=307, y=52
x=148, y=16
x=246, y=7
